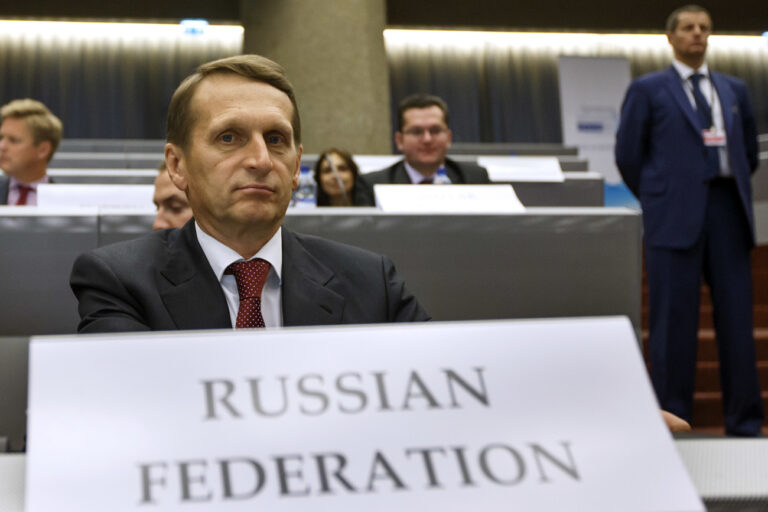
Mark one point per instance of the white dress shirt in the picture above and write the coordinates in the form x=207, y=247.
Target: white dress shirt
x=14, y=192
x=709, y=92
x=415, y=176
x=220, y=257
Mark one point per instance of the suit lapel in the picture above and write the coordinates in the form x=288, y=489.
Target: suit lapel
x=728, y=101
x=188, y=287
x=453, y=172
x=4, y=186
x=306, y=299
x=676, y=88
x=398, y=174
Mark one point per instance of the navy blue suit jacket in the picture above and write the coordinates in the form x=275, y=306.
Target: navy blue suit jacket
x=662, y=158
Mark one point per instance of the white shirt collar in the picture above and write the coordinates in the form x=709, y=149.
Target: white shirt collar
x=685, y=71
x=14, y=183
x=221, y=256
x=415, y=175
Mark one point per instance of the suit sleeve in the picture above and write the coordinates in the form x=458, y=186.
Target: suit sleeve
x=749, y=127
x=401, y=304
x=104, y=304
x=632, y=136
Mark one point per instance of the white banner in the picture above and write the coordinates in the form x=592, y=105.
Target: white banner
x=98, y=195
x=492, y=416
x=522, y=168
x=591, y=92
x=447, y=199
x=371, y=163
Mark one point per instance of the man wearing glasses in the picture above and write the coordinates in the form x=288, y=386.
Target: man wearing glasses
x=423, y=137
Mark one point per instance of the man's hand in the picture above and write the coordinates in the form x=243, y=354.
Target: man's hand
x=675, y=423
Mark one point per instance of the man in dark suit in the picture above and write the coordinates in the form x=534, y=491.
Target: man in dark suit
x=686, y=147
x=234, y=148
x=29, y=136
x=423, y=137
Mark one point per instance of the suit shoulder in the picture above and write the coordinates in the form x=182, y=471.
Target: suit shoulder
x=330, y=250
x=472, y=172
x=381, y=176
x=137, y=250
x=649, y=80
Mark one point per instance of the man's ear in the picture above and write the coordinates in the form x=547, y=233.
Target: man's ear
x=297, y=170
x=176, y=164
x=399, y=141
x=44, y=150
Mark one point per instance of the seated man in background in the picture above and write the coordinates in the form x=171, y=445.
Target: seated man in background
x=423, y=137
x=234, y=148
x=173, y=210
x=29, y=136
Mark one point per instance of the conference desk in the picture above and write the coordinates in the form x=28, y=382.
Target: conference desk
x=743, y=486
x=578, y=188
x=545, y=262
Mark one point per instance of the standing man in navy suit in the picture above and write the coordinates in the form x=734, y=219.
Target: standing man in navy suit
x=686, y=148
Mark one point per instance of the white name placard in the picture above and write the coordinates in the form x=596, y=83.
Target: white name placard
x=88, y=195
x=370, y=163
x=492, y=416
x=447, y=199
x=522, y=168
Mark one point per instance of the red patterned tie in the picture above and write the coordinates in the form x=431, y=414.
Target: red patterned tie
x=23, y=192
x=250, y=276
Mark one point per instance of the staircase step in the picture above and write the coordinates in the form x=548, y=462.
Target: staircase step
x=708, y=375
x=760, y=312
x=708, y=346
x=708, y=409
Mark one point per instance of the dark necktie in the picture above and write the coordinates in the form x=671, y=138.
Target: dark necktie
x=703, y=110
x=426, y=181
x=704, y=114
x=250, y=276
x=23, y=193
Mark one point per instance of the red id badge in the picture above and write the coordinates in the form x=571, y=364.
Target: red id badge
x=713, y=137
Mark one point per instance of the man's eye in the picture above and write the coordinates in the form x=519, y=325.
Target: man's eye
x=274, y=139
x=228, y=138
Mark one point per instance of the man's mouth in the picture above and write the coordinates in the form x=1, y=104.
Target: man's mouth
x=256, y=188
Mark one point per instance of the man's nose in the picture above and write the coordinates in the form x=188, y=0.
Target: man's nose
x=258, y=156
x=160, y=221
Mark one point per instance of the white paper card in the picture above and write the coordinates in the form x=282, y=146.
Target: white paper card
x=88, y=195
x=492, y=416
x=370, y=163
x=522, y=168
x=447, y=199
